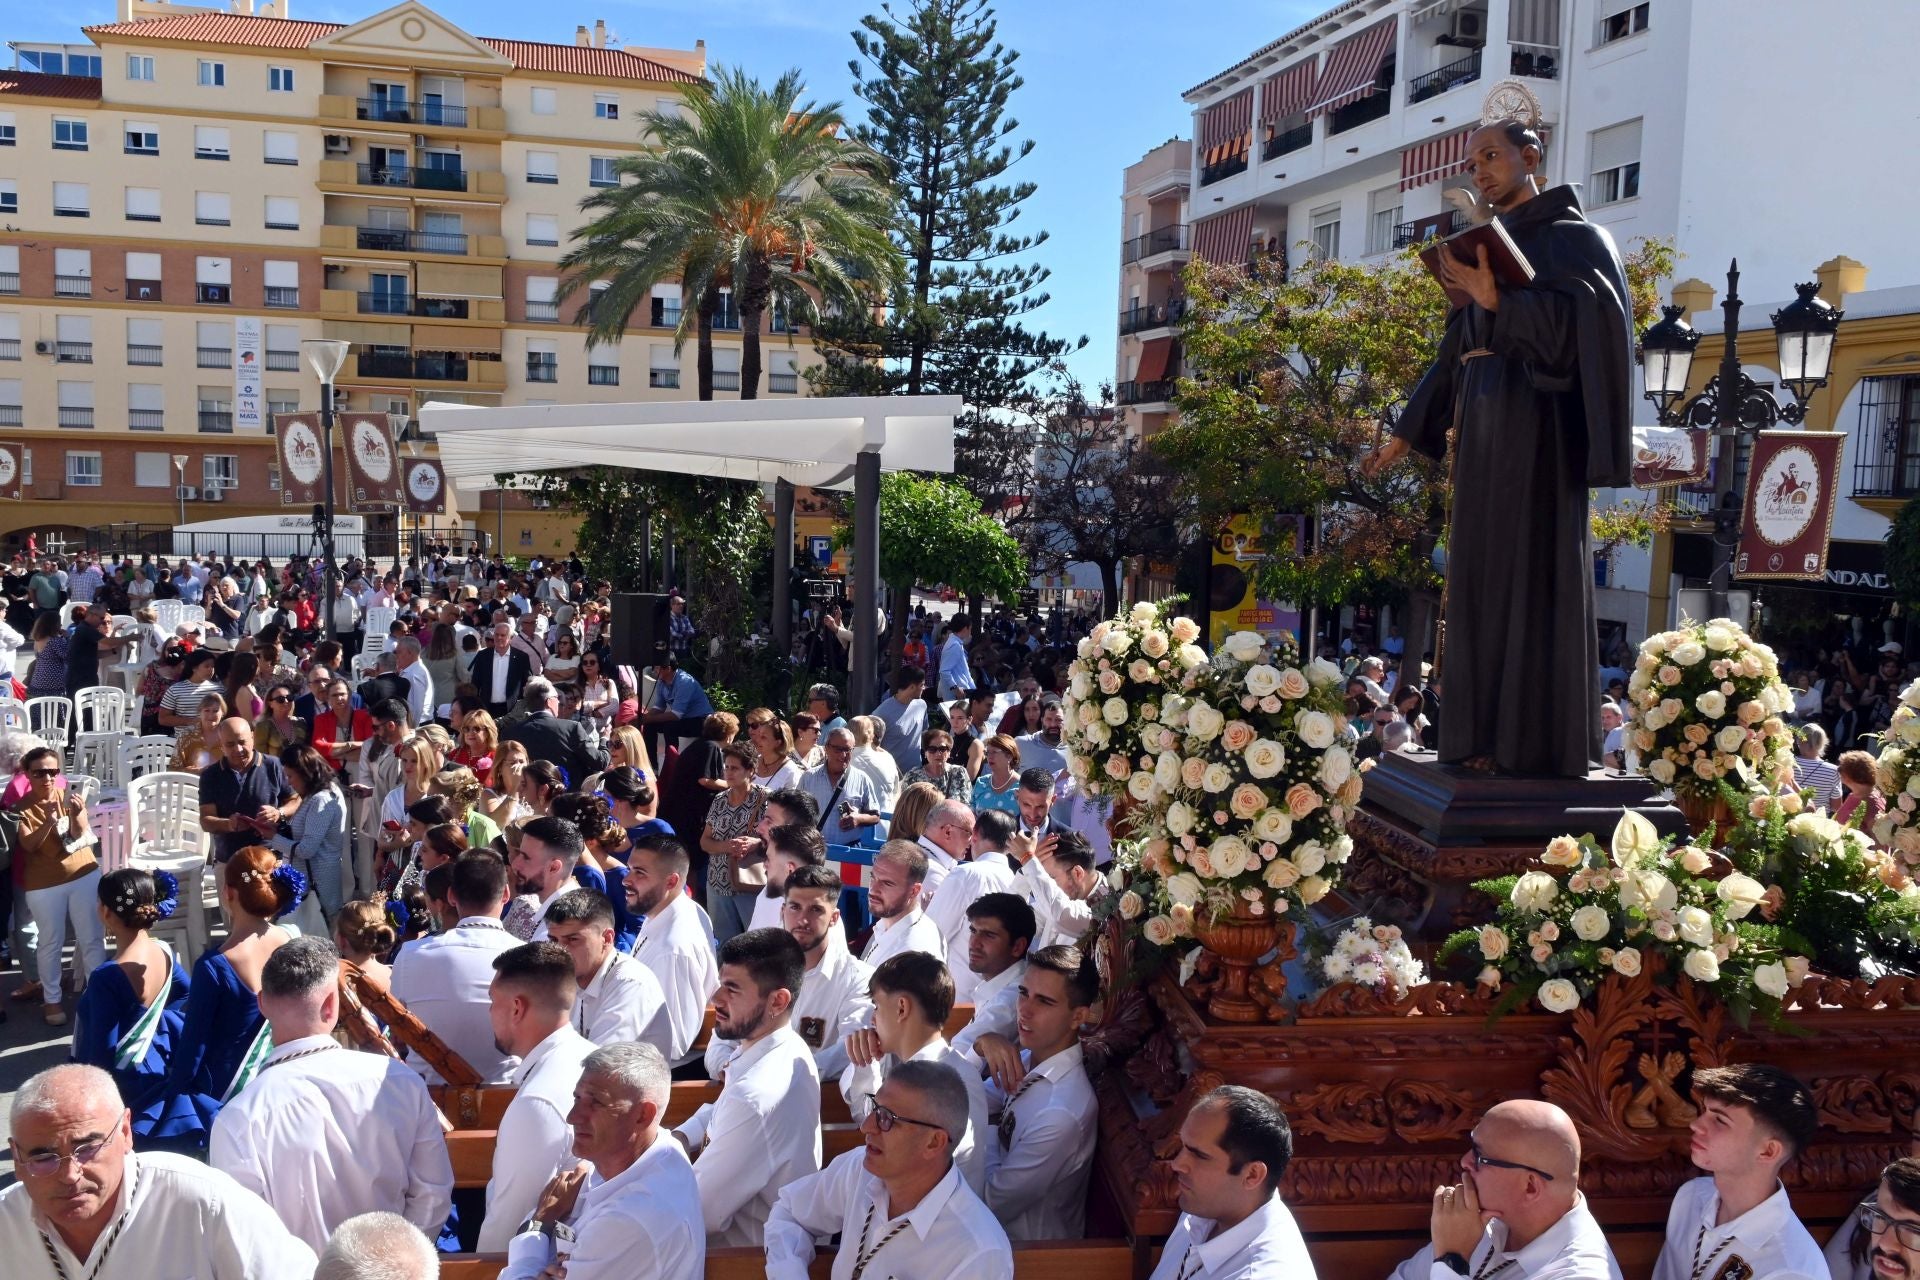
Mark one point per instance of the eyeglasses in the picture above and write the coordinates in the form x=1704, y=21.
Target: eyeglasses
x=279, y=697
x=884, y=1118
x=1876, y=1221
x=1482, y=1161
x=43, y=773
x=937, y=751
x=44, y=1164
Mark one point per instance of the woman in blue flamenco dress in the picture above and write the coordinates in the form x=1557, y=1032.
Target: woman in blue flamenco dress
x=225, y=1039
x=129, y=1019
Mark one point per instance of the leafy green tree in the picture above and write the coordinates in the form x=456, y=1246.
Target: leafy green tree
x=753, y=189
x=1903, y=554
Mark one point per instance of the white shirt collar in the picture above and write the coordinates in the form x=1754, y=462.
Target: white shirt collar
x=991, y=987
x=992, y=857
x=301, y=1045
x=1217, y=1249
x=938, y=854
x=541, y=1052
x=1545, y=1246
x=1762, y=1222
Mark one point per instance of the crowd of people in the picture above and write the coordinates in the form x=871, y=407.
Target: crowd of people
x=581, y=881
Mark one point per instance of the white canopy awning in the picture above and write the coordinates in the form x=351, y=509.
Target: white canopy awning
x=811, y=442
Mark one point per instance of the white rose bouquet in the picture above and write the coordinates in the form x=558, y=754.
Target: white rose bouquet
x=1115, y=684
x=1704, y=705
x=1373, y=955
x=1640, y=903
x=1255, y=787
x=1899, y=770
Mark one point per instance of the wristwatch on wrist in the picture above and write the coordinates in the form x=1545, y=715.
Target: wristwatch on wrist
x=1453, y=1261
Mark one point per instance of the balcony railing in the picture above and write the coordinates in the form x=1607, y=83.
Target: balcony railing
x=400, y=175
x=1540, y=61
x=1292, y=140
x=440, y=308
x=400, y=240
x=1156, y=315
x=441, y=366
x=543, y=312
x=9, y=282
x=143, y=291
x=1145, y=392
x=1370, y=108
x=283, y=298
x=1160, y=240
x=143, y=353
x=10, y=415
x=667, y=379
x=390, y=111
x=73, y=352
x=216, y=420
x=783, y=383
x=378, y=364
x=1431, y=85
x=1886, y=443
x=603, y=375
x=1421, y=229
x=73, y=286
x=146, y=420
x=1236, y=163
x=214, y=357
x=384, y=304
x=71, y=417
x=283, y=362
x=726, y=379
x=9, y=348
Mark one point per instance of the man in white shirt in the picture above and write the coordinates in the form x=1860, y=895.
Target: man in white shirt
x=378, y=1246
x=86, y=1205
x=945, y=840
x=543, y=864
x=1063, y=885
x=324, y=1134
x=790, y=846
x=444, y=978
x=1517, y=1209
x=532, y=1006
x=631, y=1211
x=833, y=1001
x=912, y=996
x=898, y=1202
x=620, y=1000
x=673, y=942
x=999, y=935
x=1234, y=1145
x=893, y=895
x=408, y=666
x=1042, y=1103
x=988, y=871
x=1753, y=1119
x=764, y=1131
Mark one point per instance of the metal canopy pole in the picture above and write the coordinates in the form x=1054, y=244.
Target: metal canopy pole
x=782, y=568
x=866, y=579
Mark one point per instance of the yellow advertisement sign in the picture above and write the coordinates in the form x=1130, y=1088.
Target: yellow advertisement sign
x=1233, y=602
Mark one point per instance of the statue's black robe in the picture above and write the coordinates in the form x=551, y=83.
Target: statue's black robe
x=1543, y=418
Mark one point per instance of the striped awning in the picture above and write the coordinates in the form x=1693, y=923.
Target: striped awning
x=1352, y=67
x=1224, y=238
x=1226, y=128
x=1431, y=161
x=1287, y=93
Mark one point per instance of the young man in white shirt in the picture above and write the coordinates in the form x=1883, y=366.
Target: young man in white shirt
x=620, y=1000
x=532, y=1006
x=897, y=1202
x=1234, y=1145
x=444, y=978
x=86, y=1205
x=1753, y=1119
x=912, y=996
x=833, y=1001
x=764, y=1131
x=1042, y=1103
x=790, y=845
x=542, y=865
x=632, y=1206
x=323, y=1134
x=999, y=935
x=1517, y=1209
x=989, y=870
x=1063, y=885
x=674, y=942
x=893, y=895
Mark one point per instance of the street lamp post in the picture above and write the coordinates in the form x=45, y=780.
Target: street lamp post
x=180, y=483
x=324, y=357
x=1732, y=404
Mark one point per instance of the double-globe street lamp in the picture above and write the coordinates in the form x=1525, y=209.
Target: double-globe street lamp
x=324, y=357
x=1732, y=404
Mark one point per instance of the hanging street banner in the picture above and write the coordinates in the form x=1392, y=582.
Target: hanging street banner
x=373, y=464
x=426, y=488
x=1234, y=603
x=301, y=465
x=1667, y=456
x=1791, y=478
x=249, y=395
x=12, y=469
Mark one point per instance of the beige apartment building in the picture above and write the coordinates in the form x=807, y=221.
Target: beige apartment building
x=230, y=184
x=1153, y=251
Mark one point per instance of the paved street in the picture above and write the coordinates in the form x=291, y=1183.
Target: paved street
x=27, y=1045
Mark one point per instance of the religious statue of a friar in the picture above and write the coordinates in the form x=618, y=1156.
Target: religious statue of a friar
x=1534, y=381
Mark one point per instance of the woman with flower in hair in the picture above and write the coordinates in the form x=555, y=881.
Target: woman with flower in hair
x=132, y=1012
x=225, y=1038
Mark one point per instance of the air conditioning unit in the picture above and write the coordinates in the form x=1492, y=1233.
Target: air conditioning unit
x=1469, y=25
x=187, y=493
x=43, y=348
x=338, y=144
x=214, y=495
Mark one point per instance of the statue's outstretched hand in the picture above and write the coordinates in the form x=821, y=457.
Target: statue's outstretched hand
x=1385, y=456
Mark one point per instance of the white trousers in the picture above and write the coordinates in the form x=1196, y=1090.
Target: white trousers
x=52, y=910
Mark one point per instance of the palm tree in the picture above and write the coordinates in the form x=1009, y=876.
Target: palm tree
x=752, y=190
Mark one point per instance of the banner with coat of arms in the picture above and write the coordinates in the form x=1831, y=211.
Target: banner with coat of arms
x=1791, y=478
x=375, y=482
x=302, y=464
x=426, y=487
x=1667, y=456
x=12, y=469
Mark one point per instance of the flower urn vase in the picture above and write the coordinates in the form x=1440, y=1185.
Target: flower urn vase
x=1238, y=941
x=1704, y=813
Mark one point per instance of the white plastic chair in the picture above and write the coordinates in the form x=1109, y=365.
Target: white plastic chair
x=98, y=754
x=51, y=718
x=142, y=756
x=192, y=614
x=378, y=619
x=111, y=823
x=164, y=822
x=166, y=615
x=135, y=711
x=101, y=709
x=13, y=716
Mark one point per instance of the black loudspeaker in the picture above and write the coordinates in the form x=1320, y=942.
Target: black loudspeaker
x=640, y=629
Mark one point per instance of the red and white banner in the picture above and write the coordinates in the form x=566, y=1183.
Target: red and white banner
x=1668, y=456
x=12, y=470
x=301, y=462
x=1791, y=478
x=426, y=487
x=373, y=463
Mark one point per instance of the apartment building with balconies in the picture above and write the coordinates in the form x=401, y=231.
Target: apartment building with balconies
x=229, y=185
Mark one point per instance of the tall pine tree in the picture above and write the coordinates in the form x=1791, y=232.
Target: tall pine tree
x=937, y=83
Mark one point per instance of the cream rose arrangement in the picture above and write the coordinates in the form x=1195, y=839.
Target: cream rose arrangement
x=1705, y=706
x=1119, y=676
x=1899, y=769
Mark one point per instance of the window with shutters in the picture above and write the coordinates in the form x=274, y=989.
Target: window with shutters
x=9, y=196
x=543, y=167
x=69, y=133
x=146, y=409
x=1615, y=166
x=283, y=348
x=9, y=335
x=9, y=130
x=283, y=213
x=142, y=139
x=143, y=204
x=1383, y=214
x=73, y=273
x=212, y=209
x=1618, y=21
x=545, y=102
x=10, y=408
x=152, y=470
x=606, y=106
x=282, y=281
x=83, y=470
x=210, y=142
x=543, y=360
x=72, y=200
x=214, y=343
x=543, y=229
x=279, y=147
x=542, y=292
x=1325, y=233
x=220, y=471
x=143, y=342
x=600, y=172
x=213, y=278
x=75, y=401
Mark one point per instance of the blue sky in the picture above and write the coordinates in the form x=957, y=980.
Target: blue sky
x=1103, y=84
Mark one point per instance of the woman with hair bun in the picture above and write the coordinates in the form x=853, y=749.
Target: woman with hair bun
x=226, y=1038
x=365, y=931
x=134, y=1007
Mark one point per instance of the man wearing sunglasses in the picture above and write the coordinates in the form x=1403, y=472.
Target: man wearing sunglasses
x=1517, y=1212
x=86, y=1205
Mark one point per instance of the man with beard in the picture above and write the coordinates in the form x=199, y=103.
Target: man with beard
x=532, y=1003
x=893, y=894
x=790, y=846
x=1883, y=1239
x=542, y=867
x=764, y=1131
x=1043, y=750
x=674, y=942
